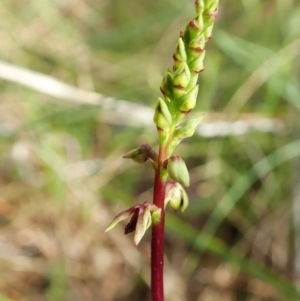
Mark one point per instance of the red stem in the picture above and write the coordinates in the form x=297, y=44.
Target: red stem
x=157, y=242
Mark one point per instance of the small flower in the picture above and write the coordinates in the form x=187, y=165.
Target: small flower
x=142, y=216
x=176, y=196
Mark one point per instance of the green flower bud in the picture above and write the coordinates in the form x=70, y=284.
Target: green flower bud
x=197, y=45
x=188, y=101
x=210, y=16
x=165, y=110
x=178, y=171
x=197, y=65
x=178, y=91
x=176, y=196
x=192, y=30
x=180, y=56
x=181, y=80
x=200, y=22
x=162, y=117
x=182, y=76
x=178, y=64
x=180, y=53
x=166, y=86
x=199, y=6
x=187, y=128
x=212, y=7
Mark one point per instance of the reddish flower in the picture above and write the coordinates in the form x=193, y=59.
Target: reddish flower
x=142, y=215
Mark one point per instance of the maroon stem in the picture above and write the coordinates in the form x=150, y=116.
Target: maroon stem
x=157, y=242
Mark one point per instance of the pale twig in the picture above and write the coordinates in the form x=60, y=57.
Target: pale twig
x=123, y=112
x=58, y=89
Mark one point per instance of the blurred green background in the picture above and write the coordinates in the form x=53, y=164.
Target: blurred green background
x=78, y=82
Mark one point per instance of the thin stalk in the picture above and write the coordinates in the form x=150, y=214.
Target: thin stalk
x=157, y=242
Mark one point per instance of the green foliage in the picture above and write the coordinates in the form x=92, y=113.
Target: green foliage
x=58, y=283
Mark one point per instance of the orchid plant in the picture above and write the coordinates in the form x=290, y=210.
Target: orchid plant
x=179, y=90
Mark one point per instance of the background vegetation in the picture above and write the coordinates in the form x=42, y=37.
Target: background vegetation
x=62, y=178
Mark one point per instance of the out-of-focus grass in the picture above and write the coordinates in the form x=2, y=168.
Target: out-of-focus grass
x=62, y=177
